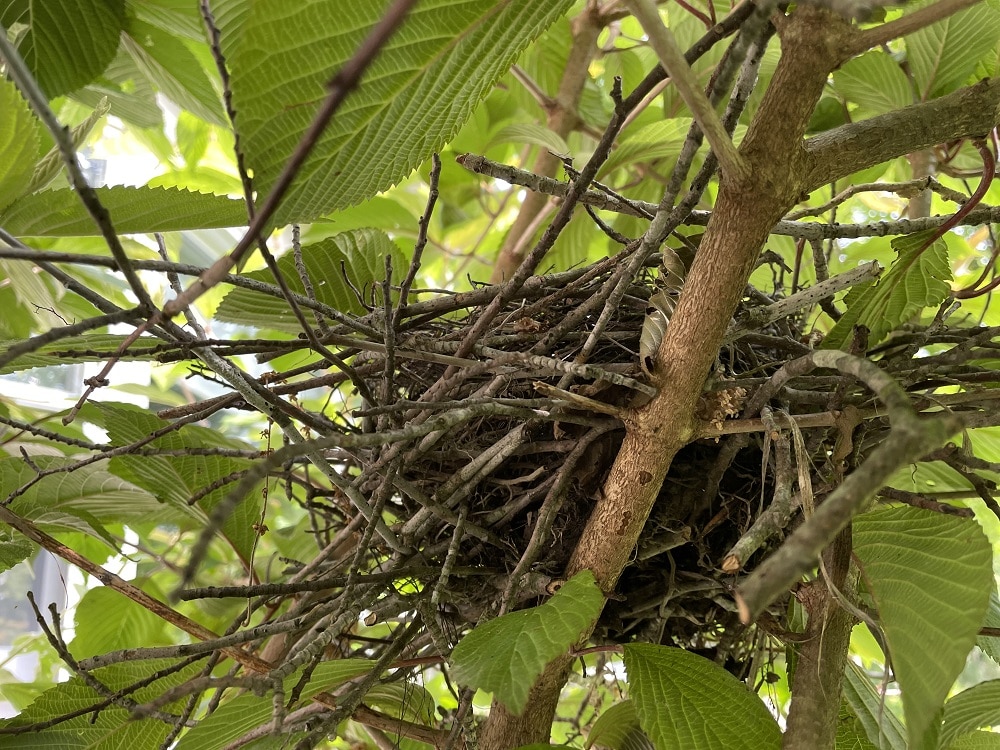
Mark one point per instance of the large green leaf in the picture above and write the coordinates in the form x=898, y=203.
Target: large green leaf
x=19, y=135
x=684, y=701
x=930, y=576
x=108, y=621
x=66, y=43
x=875, y=81
x=421, y=88
x=916, y=280
x=112, y=727
x=362, y=252
x=943, y=55
x=505, y=656
x=236, y=717
x=174, y=70
x=977, y=741
x=979, y=706
x=133, y=210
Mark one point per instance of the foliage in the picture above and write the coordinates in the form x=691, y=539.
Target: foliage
x=348, y=508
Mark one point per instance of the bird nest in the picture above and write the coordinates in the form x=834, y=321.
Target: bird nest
x=494, y=419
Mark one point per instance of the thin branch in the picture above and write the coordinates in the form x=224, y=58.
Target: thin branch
x=909, y=23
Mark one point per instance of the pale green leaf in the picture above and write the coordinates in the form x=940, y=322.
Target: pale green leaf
x=917, y=280
x=979, y=706
x=178, y=17
x=930, y=576
x=111, y=728
x=977, y=741
x=14, y=548
x=531, y=133
x=173, y=70
x=655, y=141
x=708, y=707
x=851, y=734
x=505, y=656
x=108, y=621
x=875, y=81
x=51, y=165
x=236, y=717
x=363, y=253
x=67, y=43
x=618, y=728
x=415, y=96
x=19, y=135
x=943, y=55
x=404, y=700
x=59, y=213
x=882, y=727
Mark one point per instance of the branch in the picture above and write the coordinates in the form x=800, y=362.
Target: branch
x=907, y=24
x=967, y=113
x=663, y=42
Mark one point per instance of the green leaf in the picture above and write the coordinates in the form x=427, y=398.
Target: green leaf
x=875, y=81
x=133, y=210
x=991, y=644
x=108, y=621
x=423, y=85
x=943, y=55
x=130, y=95
x=19, y=136
x=851, y=733
x=708, y=707
x=94, y=347
x=917, y=280
x=930, y=576
x=618, y=728
x=112, y=727
x=67, y=43
x=362, y=251
x=51, y=165
x=977, y=741
x=656, y=141
x=14, y=548
x=532, y=133
x=236, y=717
x=979, y=706
x=505, y=656
x=173, y=70
x=882, y=726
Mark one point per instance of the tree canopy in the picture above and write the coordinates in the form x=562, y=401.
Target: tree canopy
x=583, y=373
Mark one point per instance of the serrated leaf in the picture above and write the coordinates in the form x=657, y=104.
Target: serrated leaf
x=532, y=133
x=708, y=707
x=173, y=70
x=943, y=55
x=14, y=548
x=19, y=136
x=618, y=728
x=67, y=42
x=882, y=726
x=917, y=280
x=875, y=81
x=112, y=727
x=506, y=655
x=362, y=251
x=979, y=706
x=236, y=717
x=134, y=210
x=51, y=165
x=930, y=576
x=418, y=92
x=89, y=348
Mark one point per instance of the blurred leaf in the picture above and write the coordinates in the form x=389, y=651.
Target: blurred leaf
x=709, y=708
x=14, y=548
x=943, y=55
x=19, y=137
x=531, y=133
x=506, y=655
x=930, y=576
x=617, y=728
x=51, y=165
